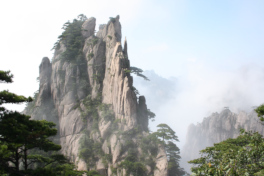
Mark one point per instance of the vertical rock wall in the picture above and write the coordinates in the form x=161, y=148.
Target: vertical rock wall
x=91, y=99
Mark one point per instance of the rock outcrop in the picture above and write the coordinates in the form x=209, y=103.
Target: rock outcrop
x=216, y=128
x=87, y=90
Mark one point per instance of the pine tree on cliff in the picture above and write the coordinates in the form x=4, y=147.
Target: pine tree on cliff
x=19, y=136
x=168, y=137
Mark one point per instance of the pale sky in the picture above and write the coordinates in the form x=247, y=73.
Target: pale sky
x=211, y=50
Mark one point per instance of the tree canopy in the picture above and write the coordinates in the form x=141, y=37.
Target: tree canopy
x=22, y=140
x=5, y=76
x=243, y=155
x=166, y=133
x=168, y=137
x=137, y=71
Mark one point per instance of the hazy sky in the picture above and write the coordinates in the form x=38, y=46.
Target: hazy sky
x=204, y=54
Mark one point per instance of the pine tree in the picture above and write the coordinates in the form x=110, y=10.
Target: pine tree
x=168, y=137
x=22, y=140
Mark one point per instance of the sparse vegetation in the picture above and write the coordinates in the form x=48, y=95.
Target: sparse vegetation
x=90, y=150
x=135, y=90
x=110, y=37
x=151, y=115
x=138, y=72
x=90, y=56
x=112, y=19
x=131, y=164
x=31, y=105
x=107, y=112
x=90, y=107
x=127, y=71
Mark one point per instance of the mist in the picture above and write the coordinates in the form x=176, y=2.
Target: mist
x=180, y=101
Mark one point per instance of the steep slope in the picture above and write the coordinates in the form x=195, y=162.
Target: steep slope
x=87, y=90
x=216, y=128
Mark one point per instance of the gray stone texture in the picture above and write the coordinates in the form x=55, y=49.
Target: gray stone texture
x=62, y=85
x=216, y=128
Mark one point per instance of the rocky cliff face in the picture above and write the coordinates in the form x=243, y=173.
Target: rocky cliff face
x=216, y=128
x=87, y=90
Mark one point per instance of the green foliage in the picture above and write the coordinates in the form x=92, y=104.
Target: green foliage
x=107, y=158
x=151, y=115
x=127, y=71
x=138, y=72
x=129, y=144
x=260, y=173
x=90, y=107
x=173, y=154
x=114, y=170
x=4, y=153
x=71, y=36
x=98, y=77
x=112, y=19
x=132, y=166
x=6, y=77
x=133, y=162
x=19, y=136
x=57, y=169
x=94, y=40
x=93, y=173
x=89, y=150
x=150, y=144
x=8, y=97
x=90, y=56
x=168, y=137
x=115, y=123
x=131, y=133
x=135, y=90
x=33, y=133
x=110, y=37
x=82, y=17
x=74, y=42
x=241, y=156
x=107, y=112
x=56, y=45
x=166, y=133
x=260, y=111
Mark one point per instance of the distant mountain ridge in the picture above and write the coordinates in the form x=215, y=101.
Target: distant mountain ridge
x=216, y=128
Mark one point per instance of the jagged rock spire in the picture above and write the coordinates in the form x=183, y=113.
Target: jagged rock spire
x=125, y=47
x=94, y=98
x=88, y=27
